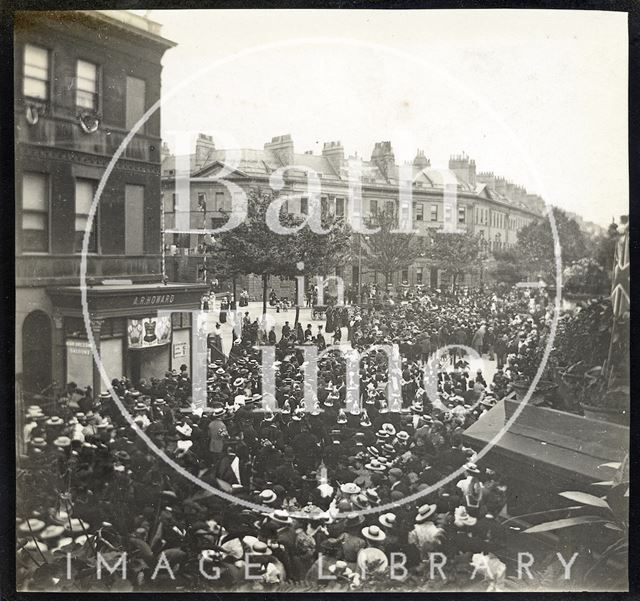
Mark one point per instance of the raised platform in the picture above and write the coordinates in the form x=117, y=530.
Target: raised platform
x=546, y=451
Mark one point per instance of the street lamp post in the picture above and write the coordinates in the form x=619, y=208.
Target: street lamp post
x=360, y=267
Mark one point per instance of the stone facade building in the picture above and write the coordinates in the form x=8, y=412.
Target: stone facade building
x=82, y=80
x=486, y=205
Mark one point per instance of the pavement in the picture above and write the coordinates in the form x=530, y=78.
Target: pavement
x=278, y=319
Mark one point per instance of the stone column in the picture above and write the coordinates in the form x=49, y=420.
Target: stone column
x=58, y=355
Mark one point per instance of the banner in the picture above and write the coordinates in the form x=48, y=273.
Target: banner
x=148, y=332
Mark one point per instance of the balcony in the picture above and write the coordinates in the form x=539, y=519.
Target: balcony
x=47, y=270
x=66, y=133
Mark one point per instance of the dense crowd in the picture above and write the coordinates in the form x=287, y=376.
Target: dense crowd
x=88, y=483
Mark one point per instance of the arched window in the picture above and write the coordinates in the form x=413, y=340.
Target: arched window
x=36, y=352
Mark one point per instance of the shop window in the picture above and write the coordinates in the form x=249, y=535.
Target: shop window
x=36, y=72
x=180, y=320
x=35, y=212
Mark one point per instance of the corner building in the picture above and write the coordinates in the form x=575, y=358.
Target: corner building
x=82, y=80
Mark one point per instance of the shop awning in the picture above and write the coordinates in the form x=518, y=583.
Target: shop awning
x=113, y=300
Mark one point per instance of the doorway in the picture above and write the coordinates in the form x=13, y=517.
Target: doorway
x=36, y=352
x=433, y=277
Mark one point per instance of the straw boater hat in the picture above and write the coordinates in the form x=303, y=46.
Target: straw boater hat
x=472, y=468
x=281, y=516
x=62, y=442
x=342, y=417
x=375, y=466
x=350, y=488
x=218, y=411
x=372, y=495
x=402, y=435
x=33, y=545
x=373, y=533
x=50, y=533
x=31, y=525
x=388, y=520
x=425, y=512
x=360, y=501
x=76, y=525
x=38, y=442
x=267, y=496
x=462, y=518
x=54, y=420
x=389, y=429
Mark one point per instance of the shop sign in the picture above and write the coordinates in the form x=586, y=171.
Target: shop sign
x=179, y=350
x=148, y=332
x=154, y=299
x=78, y=347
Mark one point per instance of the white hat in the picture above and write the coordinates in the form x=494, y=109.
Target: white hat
x=388, y=520
x=185, y=430
x=373, y=533
x=350, y=488
x=425, y=512
x=267, y=496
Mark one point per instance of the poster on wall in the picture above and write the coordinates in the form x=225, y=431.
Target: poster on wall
x=149, y=332
x=79, y=362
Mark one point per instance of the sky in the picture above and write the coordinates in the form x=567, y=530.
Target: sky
x=539, y=97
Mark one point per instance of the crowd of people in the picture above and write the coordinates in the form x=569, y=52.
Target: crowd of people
x=308, y=478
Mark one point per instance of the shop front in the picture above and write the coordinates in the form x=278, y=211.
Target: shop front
x=133, y=334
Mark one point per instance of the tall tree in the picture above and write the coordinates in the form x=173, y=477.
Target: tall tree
x=387, y=251
x=536, y=244
x=319, y=254
x=507, y=267
x=454, y=252
x=606, y=247
x=253, y=247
